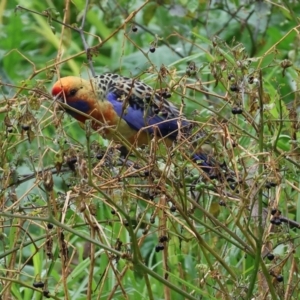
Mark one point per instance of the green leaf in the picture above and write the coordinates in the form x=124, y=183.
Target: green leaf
x=283, y=142
x=149, y=12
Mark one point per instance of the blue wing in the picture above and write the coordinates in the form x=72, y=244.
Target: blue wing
x=137, y=118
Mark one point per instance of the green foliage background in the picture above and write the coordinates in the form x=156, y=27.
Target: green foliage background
x=108, y=214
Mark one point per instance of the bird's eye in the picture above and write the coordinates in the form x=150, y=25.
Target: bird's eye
x=72, y=92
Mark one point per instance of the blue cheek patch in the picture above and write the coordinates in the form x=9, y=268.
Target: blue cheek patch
x=80, y=105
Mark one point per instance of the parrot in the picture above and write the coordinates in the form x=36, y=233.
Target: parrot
x=129, y=106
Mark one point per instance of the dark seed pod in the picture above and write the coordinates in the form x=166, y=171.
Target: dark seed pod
x=236, y=111
x=163, y=239
x=234, y=88
x=152, y=49
x=157, y=248
x=251, y=80
x=152, y=220
x=161, y=246
x=50, y=226
x=9, y=129
x=38, y=284
x=273, y=211
x=279, y=278
x=230, y=179
x=146, y=173
x=270, y=256
x=134, y=28
x=46, y=293
x=25, y=127
x=71, y=161
x=268, y=185
x=113, y=212
x=222, y=203
x=99, y=156
x=173, y=208
x=125, y=223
